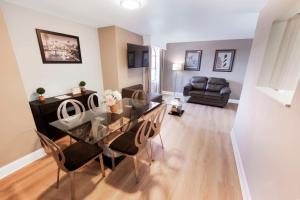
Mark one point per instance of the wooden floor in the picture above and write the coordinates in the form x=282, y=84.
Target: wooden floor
x=197, y=163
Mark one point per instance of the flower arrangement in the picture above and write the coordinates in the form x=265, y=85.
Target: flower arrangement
x=111, y=97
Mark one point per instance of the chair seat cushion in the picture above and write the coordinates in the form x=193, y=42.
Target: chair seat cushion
x=125, y=143
x=79, y=154
x=138, y=125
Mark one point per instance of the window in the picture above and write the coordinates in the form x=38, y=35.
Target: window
x=155, y=69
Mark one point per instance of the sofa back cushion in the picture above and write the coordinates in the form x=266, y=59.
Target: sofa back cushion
x=128, y=91
x=216, y=84
x=199, y=82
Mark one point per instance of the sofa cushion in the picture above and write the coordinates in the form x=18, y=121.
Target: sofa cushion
x=216, y=84
x=212, y=95
x=196, y=93
x=128, y=91
x=199, y=82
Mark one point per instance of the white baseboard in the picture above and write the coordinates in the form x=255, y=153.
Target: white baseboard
x=21, y=162
x=239, y=164
x=235, y=101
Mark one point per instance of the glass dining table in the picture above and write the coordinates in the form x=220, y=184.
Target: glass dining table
x=94, y=126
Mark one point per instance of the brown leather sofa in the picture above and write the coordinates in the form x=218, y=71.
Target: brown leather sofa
x=128, y=91
x=209, y=91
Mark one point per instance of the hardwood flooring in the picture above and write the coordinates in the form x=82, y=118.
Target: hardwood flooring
x=196, y=164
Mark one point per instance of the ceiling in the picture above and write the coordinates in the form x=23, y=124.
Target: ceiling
x=164, y=20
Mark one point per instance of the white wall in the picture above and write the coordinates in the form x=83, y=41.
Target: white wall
x=55, y=78
x=268, y=133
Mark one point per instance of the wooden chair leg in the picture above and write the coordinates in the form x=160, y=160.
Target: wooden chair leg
x=136, y=168
x=149, y=157
x=72, y=183
x=57, y=181
x=162, y=145
x=102, y=165
x=151, y=153
x=112, y=154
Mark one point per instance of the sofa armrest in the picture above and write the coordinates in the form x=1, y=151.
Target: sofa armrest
x=225, y=91
x=187, y=89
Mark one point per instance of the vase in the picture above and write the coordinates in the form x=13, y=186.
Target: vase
x=114, y=108
x=41, y=98
x=83, y=90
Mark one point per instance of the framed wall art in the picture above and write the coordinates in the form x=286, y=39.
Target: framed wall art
x=58, y=47
x=193, y=60
x=224, y=59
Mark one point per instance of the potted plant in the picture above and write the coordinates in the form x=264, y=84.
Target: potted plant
x=82, y=85
x=41, y=91
x=112, y=100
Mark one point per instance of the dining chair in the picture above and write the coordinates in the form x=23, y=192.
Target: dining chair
x=131, y=144
x=63, y=114
x=71, y=158
x=156, y=124
x=92, y=105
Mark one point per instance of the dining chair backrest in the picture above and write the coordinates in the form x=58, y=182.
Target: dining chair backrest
x=62, y=111
x=91, y=101
x=158, y=118
x=139, y=94
x=53, y=150
x=143, y=132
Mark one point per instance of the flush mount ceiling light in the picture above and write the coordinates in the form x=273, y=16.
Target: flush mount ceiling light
x=130, y=4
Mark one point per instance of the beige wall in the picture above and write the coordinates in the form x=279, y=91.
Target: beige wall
x=268, y=133
x=108, y=48
x=113, y=48
x=127, y=77
x=16, y=122
x=176, y=54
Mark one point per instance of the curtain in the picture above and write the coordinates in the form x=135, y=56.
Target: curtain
x=161, y=70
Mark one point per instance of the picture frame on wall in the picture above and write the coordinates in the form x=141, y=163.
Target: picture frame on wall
x=131, y=59
x=192, y=60
x=58, y=47
x=224, y=60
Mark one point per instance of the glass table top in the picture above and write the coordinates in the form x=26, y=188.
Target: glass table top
x=93, y=125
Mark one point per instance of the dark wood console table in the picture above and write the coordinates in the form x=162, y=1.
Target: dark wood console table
x=45, y=112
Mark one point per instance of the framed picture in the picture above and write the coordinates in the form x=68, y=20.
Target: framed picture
x=193, y=60
x=58, y=47
x=224, y=60
x=145, y=59
x=131, y=59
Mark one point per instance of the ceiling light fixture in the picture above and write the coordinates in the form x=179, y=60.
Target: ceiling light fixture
x=130, y=4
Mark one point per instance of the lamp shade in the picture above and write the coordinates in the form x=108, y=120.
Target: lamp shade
x=177, y=67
